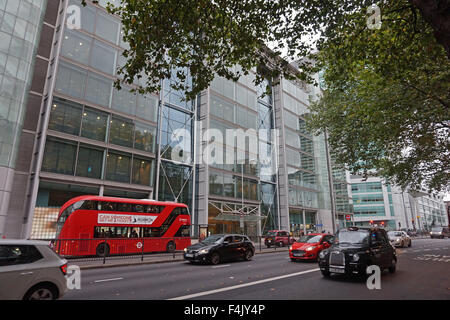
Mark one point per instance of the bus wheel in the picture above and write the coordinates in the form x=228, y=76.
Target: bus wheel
x=102, y=250
x=170, y=246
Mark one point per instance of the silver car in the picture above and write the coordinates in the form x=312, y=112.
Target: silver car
x=399, y=239
x=30, y=270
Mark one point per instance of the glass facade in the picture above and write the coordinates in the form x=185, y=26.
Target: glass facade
x=101, y=140
x=20, y=25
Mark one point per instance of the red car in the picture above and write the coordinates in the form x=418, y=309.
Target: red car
x=309, y=246
x=278, y=238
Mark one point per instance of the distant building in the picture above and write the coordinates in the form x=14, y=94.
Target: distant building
x=379, y=203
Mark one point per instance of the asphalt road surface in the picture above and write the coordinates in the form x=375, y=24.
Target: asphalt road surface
x=423, y=272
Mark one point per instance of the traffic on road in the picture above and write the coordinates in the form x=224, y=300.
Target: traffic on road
x=228, y=266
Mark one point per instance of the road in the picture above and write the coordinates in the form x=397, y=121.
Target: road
x=423, y=272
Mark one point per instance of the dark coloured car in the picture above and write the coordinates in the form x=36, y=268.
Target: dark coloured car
x=278, y=238
x=354, y=249
x=220, y=247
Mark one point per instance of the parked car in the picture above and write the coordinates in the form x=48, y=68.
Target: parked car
x=399, y=239
x=30, y=270
x=279, y=238
x=440, y=232
x=308, y=247
x=354, y=249
x=220, y=247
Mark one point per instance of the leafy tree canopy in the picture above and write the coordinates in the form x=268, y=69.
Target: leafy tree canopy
x=387, y=100
x=387, y=90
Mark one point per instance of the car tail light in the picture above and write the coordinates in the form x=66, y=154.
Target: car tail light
x=64, y=269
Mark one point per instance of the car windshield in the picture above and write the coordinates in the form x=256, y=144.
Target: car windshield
x=436, y=229
x=352, y=237
x=394, y=234
x=212, y=239
x=310, y=239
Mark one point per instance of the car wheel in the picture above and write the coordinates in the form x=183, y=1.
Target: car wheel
x=102, y=250
x=248, y=255
x=281, y=244
x=403, y=244
x=325, y=274
x=215, y=258
x=170, y=246
x=393, y=266
x=410, y=243
x=293, y=260
x=268, y=245
x=42, y=292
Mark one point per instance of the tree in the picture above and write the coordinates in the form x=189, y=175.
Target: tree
x=205, y=38
x=408, y=57
x=387, y=100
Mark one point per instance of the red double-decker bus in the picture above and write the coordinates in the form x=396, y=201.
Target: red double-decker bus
x=102, y=226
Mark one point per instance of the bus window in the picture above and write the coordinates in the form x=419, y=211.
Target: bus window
x=150, y=232
x=180, y=210
x=107, y=206
x=138, y=208
x=89, y=205
x=124, y=207
x=184, y=231
x=122, y=232
x=153, y=209
x=101, y=232
x=135, y=233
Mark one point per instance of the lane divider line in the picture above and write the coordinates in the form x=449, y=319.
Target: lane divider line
x=204, y=293
x=105, y=280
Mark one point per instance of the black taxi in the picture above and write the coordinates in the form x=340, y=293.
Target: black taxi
x=354, y=249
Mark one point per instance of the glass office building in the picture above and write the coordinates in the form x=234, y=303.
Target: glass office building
x=85, y=137
x=20, y=28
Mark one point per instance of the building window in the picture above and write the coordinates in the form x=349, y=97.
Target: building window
x=76, y=46
x=98, y=89
x=144, y=137
x=121, y=132
x=103, y=57
x=118, y=167
x=59, y=157
x=142, y=171
x=124, y=100
x=65, y=117
x=94, y=124
x=107, y=27
x=90, y=162
x=147, y=107
x=216, y=184
x=71, y=80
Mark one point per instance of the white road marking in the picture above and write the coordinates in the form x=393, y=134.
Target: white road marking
x=204, y=293
x=221, y=266
x=104, y=280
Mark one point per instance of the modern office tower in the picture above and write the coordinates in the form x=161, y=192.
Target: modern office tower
x=73, y=133
x=379, y=203
x=21, y=24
